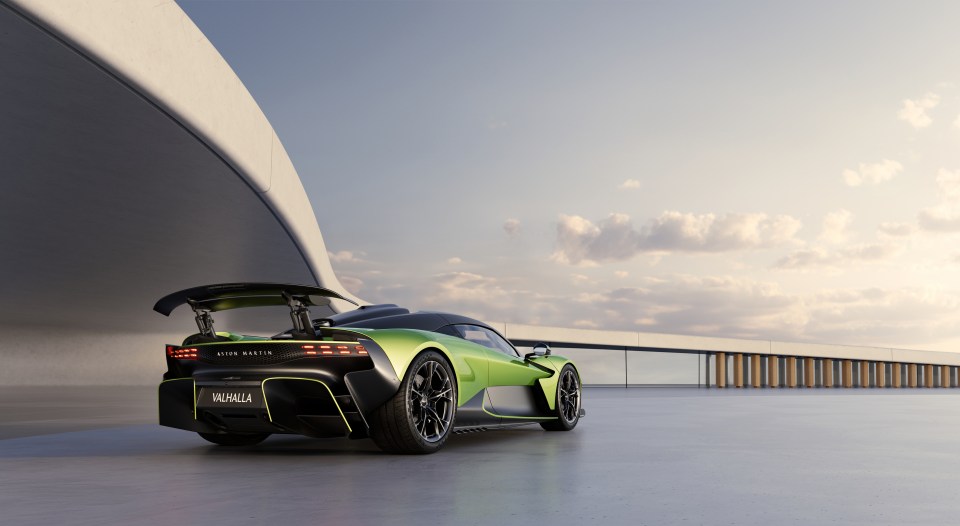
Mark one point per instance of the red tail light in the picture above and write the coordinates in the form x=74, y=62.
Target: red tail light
x=182, y=353
x=328, y=350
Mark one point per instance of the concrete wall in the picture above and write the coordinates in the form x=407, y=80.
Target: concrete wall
x=135, y=164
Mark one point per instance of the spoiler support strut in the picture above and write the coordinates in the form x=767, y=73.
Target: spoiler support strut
x=300, y=316
x=204, y=320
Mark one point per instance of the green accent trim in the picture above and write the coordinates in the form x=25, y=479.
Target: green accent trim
x=194, y=392
x=267, y=404
x=242, y=337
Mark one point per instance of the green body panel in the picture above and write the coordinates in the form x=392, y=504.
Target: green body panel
x=470, y=361
x=549, y=385
x=475, y=366
x=505, y=370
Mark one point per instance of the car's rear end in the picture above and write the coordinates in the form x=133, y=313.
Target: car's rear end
x=312, y=381
x=320, y=388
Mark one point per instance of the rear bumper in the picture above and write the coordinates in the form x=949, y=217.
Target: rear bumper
x=303, y=406
x=299, y=397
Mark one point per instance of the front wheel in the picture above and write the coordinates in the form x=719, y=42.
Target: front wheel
x=234, y=439
x=419, y=418
x=568, y=401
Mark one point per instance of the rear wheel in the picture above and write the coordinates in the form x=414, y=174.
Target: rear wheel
x=419, y=418
x=568, y=401
x=234, y=439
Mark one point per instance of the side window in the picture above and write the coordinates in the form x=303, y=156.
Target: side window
x=450, y=330
x=487, y=338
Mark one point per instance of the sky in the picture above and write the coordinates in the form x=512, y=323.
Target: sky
x=767, y=170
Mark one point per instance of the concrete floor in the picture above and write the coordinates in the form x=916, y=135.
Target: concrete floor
x=642, y=456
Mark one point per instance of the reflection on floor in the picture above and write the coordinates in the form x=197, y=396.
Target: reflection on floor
x=641, y=456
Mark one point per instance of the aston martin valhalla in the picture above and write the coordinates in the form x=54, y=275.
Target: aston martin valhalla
x=406, y=380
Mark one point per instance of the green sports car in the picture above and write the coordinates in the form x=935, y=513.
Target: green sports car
x=406, y=380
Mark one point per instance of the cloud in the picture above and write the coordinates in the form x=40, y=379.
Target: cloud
x=745, y=308
x=579, y=241
x=942, y=218
x=874, y=316
x=870, y=252
x=914, y=111
x=873, y=173
x=724, y=306
x=621, y=274
x=353, y=284
x=511, y=227
x=454, y=261
x=346, y=256
x=708, y=305
x=945, y=216
x=896, y=229
x=949, y=183
x=819, y=257
x=630, y=184
x=804, y=259
x=836, y=226
x=579, y=279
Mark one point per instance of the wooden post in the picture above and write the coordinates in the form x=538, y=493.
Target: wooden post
x=928, y=375
x=721, y=359
x=911, y=375
x=791, y=371
x=755, y=370
x=773, y=371
x=896, y=375
x=847, y=373
x=881, y=374
x=864, y=373
x=809, y=379
x=828, y=372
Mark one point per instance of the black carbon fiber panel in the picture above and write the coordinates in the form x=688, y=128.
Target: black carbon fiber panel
x=262, y=353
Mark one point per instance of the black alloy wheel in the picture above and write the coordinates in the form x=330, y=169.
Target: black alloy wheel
x=568, y=401
x=420, y=417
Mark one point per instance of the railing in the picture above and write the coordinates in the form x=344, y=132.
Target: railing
x=644, y=368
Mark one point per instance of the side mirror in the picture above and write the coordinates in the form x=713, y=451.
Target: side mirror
x=540, y=349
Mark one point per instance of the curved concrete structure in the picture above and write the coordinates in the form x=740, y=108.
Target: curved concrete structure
x=135, y=163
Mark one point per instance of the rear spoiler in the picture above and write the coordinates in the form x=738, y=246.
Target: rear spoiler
x=226, y=296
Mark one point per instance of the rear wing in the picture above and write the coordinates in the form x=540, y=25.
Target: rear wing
x=225, y=296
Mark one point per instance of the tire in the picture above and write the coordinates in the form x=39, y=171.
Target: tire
x=234, y=439
x=419, y=418
x=567, y=402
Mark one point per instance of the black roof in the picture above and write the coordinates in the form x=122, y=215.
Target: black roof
x=389, y=316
